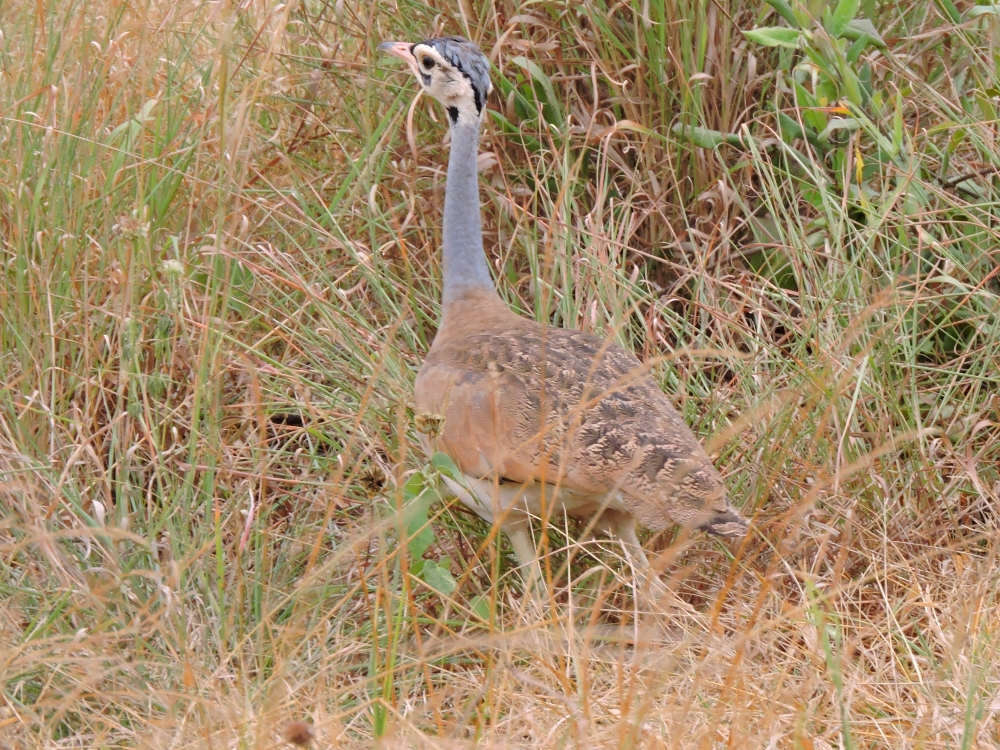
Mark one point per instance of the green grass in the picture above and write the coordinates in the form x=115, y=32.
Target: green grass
x=220, y=273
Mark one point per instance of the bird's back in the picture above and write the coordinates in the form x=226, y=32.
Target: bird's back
x=547, y=404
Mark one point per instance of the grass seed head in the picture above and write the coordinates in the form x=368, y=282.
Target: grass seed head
x=372, y=479
x=429, y=424
x=299, y=733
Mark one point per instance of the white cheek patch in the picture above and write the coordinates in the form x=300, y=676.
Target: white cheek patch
x=457, y=86
x=448, y=85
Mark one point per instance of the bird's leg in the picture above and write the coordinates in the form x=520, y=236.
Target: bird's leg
x=622, y=527
x=518, y=530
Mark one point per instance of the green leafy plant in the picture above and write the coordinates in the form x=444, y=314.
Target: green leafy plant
x=419, y=493
x=532, y=110
x=830, y=80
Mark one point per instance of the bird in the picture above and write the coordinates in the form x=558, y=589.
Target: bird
x=540, y=419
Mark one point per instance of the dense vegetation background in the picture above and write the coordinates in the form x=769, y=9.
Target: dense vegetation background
x=219, y=228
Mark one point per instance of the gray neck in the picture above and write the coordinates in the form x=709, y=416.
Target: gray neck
x=465, y=267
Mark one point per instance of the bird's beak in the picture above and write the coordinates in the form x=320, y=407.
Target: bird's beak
x=402, y=51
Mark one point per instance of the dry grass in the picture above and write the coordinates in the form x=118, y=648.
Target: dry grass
x=220, y=273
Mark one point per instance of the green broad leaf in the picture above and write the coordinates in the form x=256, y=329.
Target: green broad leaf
x=416, y=520
x=789, y=127
x=446, y=466
x=438, y=578
x=956, y=140
x=792, y=130
x=773, y=264
x=531, y=144
x=134, y=124
x=701, y=137
x=814, y=119
x=551, y=109
x=851, y=84
x=863, y=27
x=842, y=15
x=125, y=137
x=480, y=607
x=414, y=486
x=775, y=36
x=803, y=97
x=823, y=64
x=521, y=103
x=785, y=11
x=949, y=10
x=982, y=10
x=419, y=533
x=813, y=197
x=986, y=106
x=706, y=138
x=855, y=50
x=846, y=125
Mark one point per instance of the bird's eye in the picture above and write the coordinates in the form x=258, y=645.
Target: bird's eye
x=427, y=62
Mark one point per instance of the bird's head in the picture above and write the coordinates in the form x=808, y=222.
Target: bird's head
x=451, y=69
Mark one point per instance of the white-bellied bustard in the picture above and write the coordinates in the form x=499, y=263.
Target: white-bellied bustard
x=542, y=419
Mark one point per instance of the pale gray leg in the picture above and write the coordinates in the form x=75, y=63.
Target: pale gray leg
x=625, y=531
x=622, y=526
x=518, y=530
x=485, y=498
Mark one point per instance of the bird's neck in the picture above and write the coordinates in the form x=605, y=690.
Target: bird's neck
x=465, y=267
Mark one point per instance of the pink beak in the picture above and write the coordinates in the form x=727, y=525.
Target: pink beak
x=402, y=51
